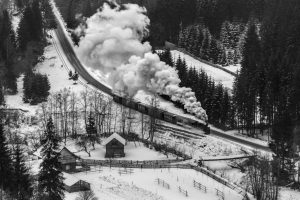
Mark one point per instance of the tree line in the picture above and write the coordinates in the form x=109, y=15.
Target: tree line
x=17, y=182
x=214, y=97
x=267, y=89
x=35, y=88
x=168, y=18
x=23, y=48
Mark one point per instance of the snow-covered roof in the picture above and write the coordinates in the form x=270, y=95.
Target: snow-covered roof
x=114, y=136
x=69, y=179
x=38, y=152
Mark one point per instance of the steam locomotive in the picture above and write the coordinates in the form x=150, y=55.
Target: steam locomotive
x=160, y=114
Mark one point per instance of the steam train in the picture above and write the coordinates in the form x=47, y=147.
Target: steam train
x=160, y=114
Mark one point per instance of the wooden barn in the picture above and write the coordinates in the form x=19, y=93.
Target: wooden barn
x=73, y=184
x=67, y=160
x=114, y=146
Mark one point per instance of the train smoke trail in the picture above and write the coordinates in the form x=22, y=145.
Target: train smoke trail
x=111, y=42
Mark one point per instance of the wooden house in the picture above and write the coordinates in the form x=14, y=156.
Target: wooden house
x=73, y=184
x=114, y=146
x=67, y=160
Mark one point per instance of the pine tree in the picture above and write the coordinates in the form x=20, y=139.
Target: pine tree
x=283, y=141
x=91, y=130
x=20, y=4
x=7, y=37
x=225, y=34
x=8, y=51
x=235, y=57
x=50, y=179
x=11, y=79
x=27, y=86
x=48, y=18
x=22, y=182
x=71, y=21
x=5, y=164
x=216, y=107
x=88, y=11
x=31, y=25
x=214, y=52
x=2, y=99
x=166, y=57
x=222, y=60
x=226, y=108
x=205, y=48
x=37, y=23
x=24, y=29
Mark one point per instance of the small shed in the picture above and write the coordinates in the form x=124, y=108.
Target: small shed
x=73, y=184
x=67, y=160
x=114, y=146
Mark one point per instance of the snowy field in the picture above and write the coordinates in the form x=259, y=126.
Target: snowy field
x=218, y=75
x=137, y=184
x=289, y=194
x=133, y=151
x=223, y=168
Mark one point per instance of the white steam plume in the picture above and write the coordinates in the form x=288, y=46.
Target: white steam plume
x=111, y=43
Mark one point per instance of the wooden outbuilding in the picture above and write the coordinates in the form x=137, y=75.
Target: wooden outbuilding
x=73, y=184
x=67, y=160
x=114, y=146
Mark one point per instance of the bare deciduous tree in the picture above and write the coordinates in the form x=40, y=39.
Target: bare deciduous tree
x=262, y=180
x=86, y=195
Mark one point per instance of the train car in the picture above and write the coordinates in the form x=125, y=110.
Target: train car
x=168, y=117
x=161, y=114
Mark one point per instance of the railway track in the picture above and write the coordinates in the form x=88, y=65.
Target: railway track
x=80, y=69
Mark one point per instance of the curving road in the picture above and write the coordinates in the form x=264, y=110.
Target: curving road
x=73, y=59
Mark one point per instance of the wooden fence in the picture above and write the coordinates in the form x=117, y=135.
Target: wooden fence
x=220, y=194
x=199, y=186
x=163, y=183
x=132, y=163
x=218, y=179
x=183, y=191
x=154, y=164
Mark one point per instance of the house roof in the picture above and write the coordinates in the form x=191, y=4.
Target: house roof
x=69, y=179
x=114, y=136
x=38, y=152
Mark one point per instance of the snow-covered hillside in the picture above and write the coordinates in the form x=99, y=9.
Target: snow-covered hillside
x=57, y=74
x=218, y=75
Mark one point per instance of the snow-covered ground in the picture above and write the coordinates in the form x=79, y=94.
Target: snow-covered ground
x=114, y=183
x=289, y=194
x=133, y=151
x=218, y=75
x=57, y=75
x=223, y=168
